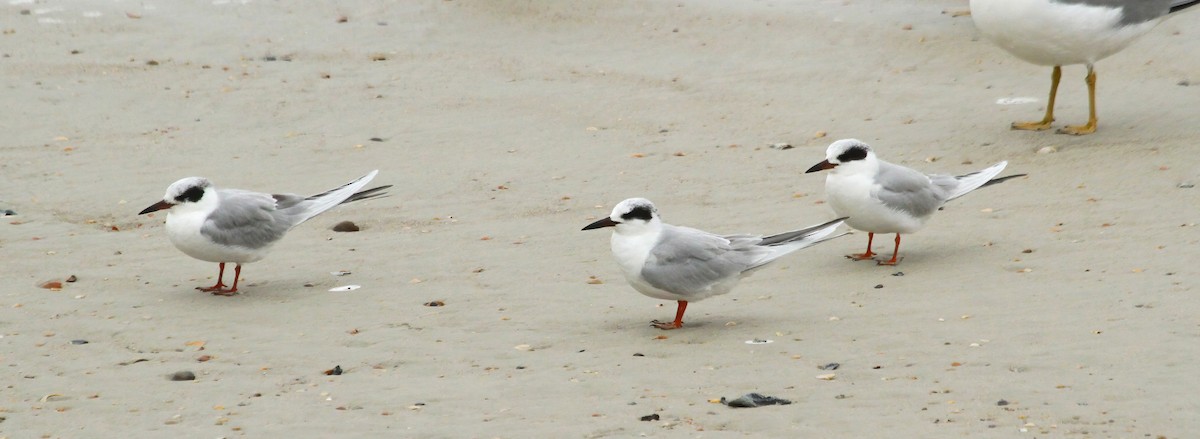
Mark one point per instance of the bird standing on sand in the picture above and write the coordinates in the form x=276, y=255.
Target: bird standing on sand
x=881, y=197
x=233, y=225
x=1063, y=32
x=685, y=264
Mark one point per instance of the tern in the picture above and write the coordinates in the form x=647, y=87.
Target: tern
x=687, y=265
x=238, y=226
x=881, y=197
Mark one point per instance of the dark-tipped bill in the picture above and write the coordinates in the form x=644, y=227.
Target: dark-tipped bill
x=606, y=222
x=820, y=167
x=156, y=207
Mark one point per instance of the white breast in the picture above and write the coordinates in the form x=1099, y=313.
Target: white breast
x=631, y=252
x=1048, y=33
x=850, y=195
x=183, y=228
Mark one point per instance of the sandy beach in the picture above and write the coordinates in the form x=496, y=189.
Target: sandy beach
x=1055, y=305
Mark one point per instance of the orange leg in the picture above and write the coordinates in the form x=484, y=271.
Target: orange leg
x=678, y=323
x=869, y=253
x=895, y=253
x=1044, y=124
x=220, y=285
x=219, y=288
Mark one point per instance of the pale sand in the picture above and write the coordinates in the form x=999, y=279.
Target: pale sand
x=522, y=122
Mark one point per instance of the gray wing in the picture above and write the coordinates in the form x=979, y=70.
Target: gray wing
x=1179, y=5
x=910, y=191
x=687, y=260
x=246, y=219
x=1132, y=11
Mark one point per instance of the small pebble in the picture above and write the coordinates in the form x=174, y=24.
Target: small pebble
x=435, y=303
x=1002, y=403
x=8, y=212
x=638, y=355
x=878, y=286
x=830, y=366
x=79, y=341
x=754, y=400
x=346, y=226
x=72, y=278
x=337, y=370
x=183, y=375
x=1047, y=150
x=376, y=139
x=898, y=273
x=648, y=418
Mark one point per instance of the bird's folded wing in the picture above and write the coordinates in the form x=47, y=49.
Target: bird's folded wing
x=245, y=219
x=690, y=261
x=907, y=190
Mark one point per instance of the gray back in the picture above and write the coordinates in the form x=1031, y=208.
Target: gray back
x=1132, y=11
x=690, y=261
x=910, y=191
x=246, y=219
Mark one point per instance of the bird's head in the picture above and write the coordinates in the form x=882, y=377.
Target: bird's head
x=630, y=216
x=847, y=154
x=187, y=193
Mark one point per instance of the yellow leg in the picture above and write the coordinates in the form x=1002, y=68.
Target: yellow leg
x=1090, y=127
x=1044, y=124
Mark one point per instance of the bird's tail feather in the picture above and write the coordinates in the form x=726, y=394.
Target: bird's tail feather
x=1002, y=179
x=787, y=242
x=975, y=180
x=316, y=204
x=809, y=235
x=1180, y=5
x=371, y=193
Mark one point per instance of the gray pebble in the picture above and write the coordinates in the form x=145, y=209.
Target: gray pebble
x=345, y=226
x=183, y=375
x=754, y=400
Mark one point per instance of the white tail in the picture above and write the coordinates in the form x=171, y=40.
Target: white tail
x=975, y=180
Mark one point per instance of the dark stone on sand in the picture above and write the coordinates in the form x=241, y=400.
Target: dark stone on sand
x=79, y=342
x=648, y=418
x=346, y=226
x=183, y=375
x=754, y=400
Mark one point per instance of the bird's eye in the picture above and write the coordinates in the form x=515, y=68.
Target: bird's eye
x=640, y=212
x=852, y=154
x=193, y=194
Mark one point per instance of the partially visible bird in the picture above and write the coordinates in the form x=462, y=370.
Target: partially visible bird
x=687, y=265
x=1064, y=32
x=233, y=225
x=881, y=197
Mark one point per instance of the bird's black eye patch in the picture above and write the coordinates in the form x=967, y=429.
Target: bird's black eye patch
x=193, y=194
x=852, y=154
x=640, y=212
